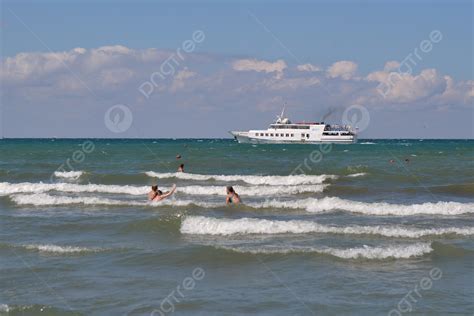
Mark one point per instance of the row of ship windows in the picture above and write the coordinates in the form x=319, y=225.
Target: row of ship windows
x=336, y=134
x=280, y=135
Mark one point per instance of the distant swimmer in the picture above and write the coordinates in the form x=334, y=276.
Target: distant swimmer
x=178, y=156
x=161, y=196
x=153, y=193
x=407, y=160
x=181, y=168
x=392, y=161
x=232, y=196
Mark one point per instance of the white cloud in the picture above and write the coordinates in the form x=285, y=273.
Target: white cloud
x=394, y=87
x=180, y=79
x=308, y=68
x=260, y=66
x=391, y=65
x=118, y=71
x=343, y=69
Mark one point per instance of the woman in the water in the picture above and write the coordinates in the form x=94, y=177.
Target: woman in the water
x=232, y=196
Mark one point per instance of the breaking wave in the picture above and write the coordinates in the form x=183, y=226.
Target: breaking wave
x=310, y=204
x=355, y=175
x=27, y=187
x=255, y=180
x=200, y=225
x=42, y=199
x=69, y=174
x=377, y=208
x=60, y=249
x=365, y=252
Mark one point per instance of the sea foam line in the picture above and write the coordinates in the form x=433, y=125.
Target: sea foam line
x=378, y=208
x=27, y=187
x=69, y=174
x=310, y=204
x=200, y=225
x=42, y=199
x=60, y=249
x=251, y=179
x=365, y=252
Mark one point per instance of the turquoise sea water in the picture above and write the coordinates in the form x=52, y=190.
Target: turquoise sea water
x=382, y=227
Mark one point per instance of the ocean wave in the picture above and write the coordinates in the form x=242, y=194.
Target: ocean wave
x=42, y=199
x=69, y=174
x=46, y=199
x=27, y=187
x=200, y=225
x=376, y=208
x=367, y=143
x=311, y=204
x=253, y=190
x=4, y=308
x=61, y=249
x=251, y=179
x=355, y=175
x=365, y=252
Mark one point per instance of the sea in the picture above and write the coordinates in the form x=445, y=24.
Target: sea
x=381, y=227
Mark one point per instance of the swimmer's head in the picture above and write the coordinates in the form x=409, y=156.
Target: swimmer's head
x=154, y=188
x=230, y=189
x=159, y=192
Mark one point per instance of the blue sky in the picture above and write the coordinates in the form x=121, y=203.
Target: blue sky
x=244, y=42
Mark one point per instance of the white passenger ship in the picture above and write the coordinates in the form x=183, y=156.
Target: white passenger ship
x=284, y=131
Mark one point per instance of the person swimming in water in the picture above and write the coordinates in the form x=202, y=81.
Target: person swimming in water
x=161, y=196
x=153, y=193
x=232, y=196
x=181, y=168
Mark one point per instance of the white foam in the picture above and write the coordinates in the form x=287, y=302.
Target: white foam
x=4, y=308
x=69, y=174
x=42, y=199
x=253, y=190
x=365, y=252
x=200, y=225
x=368, y=143
x=60, y=249
x=355, y=175
x=381, y=208
x=251, y=179
x=27, y=187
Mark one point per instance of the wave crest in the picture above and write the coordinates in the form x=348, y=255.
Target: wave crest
x=251, y=179
x=365, y=252
x=69, y=174
x=200, y=225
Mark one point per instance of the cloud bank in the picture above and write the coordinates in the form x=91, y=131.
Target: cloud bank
x=109, y=75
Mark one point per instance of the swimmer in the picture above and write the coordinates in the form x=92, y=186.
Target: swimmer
x=232, y=196
x=181, y=168
x=161, y=196
x=153, y=193
x=178, y=156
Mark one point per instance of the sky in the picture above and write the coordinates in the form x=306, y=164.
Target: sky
x=172, y=69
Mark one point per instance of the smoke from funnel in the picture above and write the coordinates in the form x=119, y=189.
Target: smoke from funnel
x=329, y=112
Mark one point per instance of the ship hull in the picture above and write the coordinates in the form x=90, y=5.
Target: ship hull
x=243, y=138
